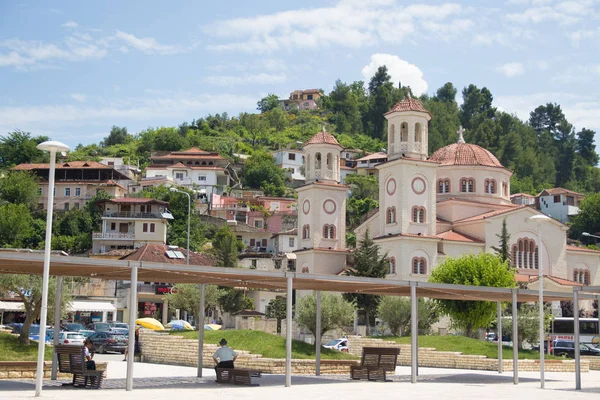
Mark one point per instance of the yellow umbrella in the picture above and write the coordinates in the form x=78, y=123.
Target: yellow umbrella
x=150, y=323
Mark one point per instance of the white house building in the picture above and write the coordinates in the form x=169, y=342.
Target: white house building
x=291, y=160
x=559, y=203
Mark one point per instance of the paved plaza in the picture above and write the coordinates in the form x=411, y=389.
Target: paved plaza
x=154, y=381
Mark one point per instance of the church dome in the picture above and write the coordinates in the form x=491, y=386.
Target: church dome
x=465, y=154
x=323, y=138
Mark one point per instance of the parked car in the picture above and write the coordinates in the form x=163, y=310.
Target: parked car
x=109, y=341
x=15, y=327
x=567, y=348
x=120, y=325
x=87, y=333
x=99, y=326
x=71, y=338
x=34, y=333
x=72, y=327
x=338, y=344
x=120, y=331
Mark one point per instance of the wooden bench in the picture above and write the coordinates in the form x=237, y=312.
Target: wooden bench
x=375, y=362
x=237, y=376
x=72, y=361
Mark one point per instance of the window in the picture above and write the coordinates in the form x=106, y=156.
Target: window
x=391, y=265
x=440, y=247
x=419, y=266
x=291, y=264
x=418, y=215
x=417, y=132
x=318, y=161
x=152, y=227
x=467, y=185
x=264, y=243
x=254, y=263
x=329, y=231
x=123, y=227
x=309, y=97
x=570, y=200
x=292, y=156
x=202, y=178
x=39, y=191
x=391, y=215
x=113, y=226
x=444, y=186
x=179, y=175
x=490, y=186
x=581, y=276
x=145, y=227
x=77, y=192
x=76, y=206
x=258, y=224
x=404, y=132
x=291, y=242
x=252, y=242
x=306, y=232
x=66, y=206
x=67, y=192
x=525, y=254
x=277, y=264
x=504, y=189
x=557, y=198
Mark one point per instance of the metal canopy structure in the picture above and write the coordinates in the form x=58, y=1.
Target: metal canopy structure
x=578, y=293
x=17, y=262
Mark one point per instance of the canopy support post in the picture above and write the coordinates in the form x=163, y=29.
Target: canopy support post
x=288, y=334
x=57, y=314
x=318, y=335
x=132, y=318
x=515, y=338
x=414, y=332
x=576, y=337
x=200, y=325
x=499, y=328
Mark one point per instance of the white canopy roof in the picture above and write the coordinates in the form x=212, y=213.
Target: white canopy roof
x=11, y=306
x=92, y=306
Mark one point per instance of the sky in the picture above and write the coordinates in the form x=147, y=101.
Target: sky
x=72, y=69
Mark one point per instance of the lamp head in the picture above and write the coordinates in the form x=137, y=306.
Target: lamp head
x=52, y=145
x=585, y=234
x=539, y=218
x=173, y=189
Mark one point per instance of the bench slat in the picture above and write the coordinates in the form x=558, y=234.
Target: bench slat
x=375, y=363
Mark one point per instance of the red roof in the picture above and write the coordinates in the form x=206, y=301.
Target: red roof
x=157, y=253
x=374, y=156
x=457, y=237
x=323, y=138
x=555, y=191
x=134, y=200
x=465, y=154
x=583, y=249
x=408, y=104
x=67, y=165
x=490, y=214
x=560, y=281
x=521, y=195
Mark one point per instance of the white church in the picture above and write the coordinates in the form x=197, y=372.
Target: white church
x=430, y=207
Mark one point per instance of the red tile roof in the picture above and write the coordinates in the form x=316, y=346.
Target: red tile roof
x=555, y=191
x=560, y=281
x=68, y=165
x=374, y=156
x=582, y=249
x=457, y=237
x=323, y=138
x=134, y=200
x=157, y=253
x=489, y=214
x=465, y=154
x=522, y=195
x=408, y=104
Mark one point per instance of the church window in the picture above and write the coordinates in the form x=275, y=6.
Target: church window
x=404, y=132
x=525, y=254
x=444, y=186
x=467, y=185
x=391, y=215
x=306, y=232
x=419, y=266
x=504, y=189
x=391, y=135
x=328, y=231
x=586, y=278
x=490, y=186
x=329, y=160
x=391, y=265
x=418, y=134
x=307, y=164
x=318, y=161
x=576, y=276
x=418, y=215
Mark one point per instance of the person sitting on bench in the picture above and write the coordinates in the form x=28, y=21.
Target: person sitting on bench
x=225, y=355
x=88, y=354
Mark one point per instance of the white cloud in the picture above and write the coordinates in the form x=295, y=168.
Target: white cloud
x=566, y=12
x=349, y=24
x=78, y=97
x=70, y=25
x=512, y=69
x=246, y=79
x=147, y=45
x=401, y=72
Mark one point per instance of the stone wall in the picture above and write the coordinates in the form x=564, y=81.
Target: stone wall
x=27, y=370
x=429, y=357
x=162, y=348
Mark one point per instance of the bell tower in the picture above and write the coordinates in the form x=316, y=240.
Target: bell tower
x=407, y=130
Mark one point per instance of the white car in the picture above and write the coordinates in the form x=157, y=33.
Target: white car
x=337, y=344
x=71, y=338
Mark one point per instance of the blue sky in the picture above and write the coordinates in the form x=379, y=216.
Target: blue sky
x=72, y=69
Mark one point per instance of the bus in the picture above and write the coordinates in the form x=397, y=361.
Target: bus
x=563, y=328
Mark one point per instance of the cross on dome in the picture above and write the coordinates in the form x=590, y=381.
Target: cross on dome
x=460, y=132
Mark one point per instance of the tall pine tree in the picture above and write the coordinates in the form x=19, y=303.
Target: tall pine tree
x=503, y=251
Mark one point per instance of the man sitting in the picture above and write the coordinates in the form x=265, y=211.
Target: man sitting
x=225, y=355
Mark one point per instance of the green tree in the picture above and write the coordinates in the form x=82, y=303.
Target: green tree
x=225, y=247
x=261, y=172
x=19, y=187
x=186, y=297
x=277, y=308
x=503, y=251
x=396, y=313
x=32, y=303
x=381, y=91
x=255, y=126
x=343, y=102
x=368, y=263
x=586, y=147
x=528, y=324
x=446, y=93
x=478, y=270
x=588, y=218
x=15, y=225
x=19, y=147
x=234, y=300
x=117, y=135
x=268, y=103
x=475, y=102
x=335, y=313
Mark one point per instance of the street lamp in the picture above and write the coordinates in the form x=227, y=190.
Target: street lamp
x=539, y=219
x=589, y=235
x=53, y=147
x=188, y=230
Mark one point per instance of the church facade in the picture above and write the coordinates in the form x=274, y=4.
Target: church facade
x=431, y=207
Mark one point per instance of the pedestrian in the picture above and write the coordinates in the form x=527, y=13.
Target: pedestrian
x=136, y=345
x=225, y=355
x=88, y=354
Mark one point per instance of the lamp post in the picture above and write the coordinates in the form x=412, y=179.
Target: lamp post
x=53, y=147
x=187, y=261
x=539, y=219
x=589, y=235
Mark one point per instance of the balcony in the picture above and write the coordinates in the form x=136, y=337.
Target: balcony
x=129, y=214
x=114, y=235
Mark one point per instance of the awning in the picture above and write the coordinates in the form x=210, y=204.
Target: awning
x=290, y=256
x=11, y=306
x=92, y=306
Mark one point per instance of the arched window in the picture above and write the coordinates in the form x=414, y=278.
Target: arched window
x=505, y=189
x=419, y=266
x=329, y=160
x=418, y=134
x=525, y=254
x=328, y=231
x=305, y=270
x=391, y=134
x=306, y=232
x=210, y=163
x=318, y=161
x=490, y=186
x=576, y=276
x=404, y=132
x=418, y=215
x=307, y=163
x=467, y=185
x=391, y=265
x=586, y=278
x=444, y=186
x=203, y=162
x=391, y=215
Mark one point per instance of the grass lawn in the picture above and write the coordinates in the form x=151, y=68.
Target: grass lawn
x=270, y=346
x=11, y=350
x=470, y=346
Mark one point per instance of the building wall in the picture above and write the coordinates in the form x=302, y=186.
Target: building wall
x=262, y=264
x=578, y=260
x=320, y=206
x=87, y=190
x=560, y=210
x=455, y=173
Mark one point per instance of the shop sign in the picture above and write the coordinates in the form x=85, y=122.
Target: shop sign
x=164, y=289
